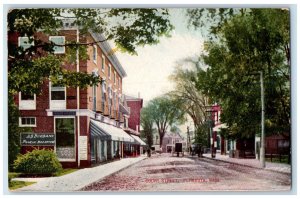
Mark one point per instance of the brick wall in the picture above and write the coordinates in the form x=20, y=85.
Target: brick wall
x=135, y=114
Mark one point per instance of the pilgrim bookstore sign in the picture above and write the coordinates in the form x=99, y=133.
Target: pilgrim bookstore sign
x=37, y=139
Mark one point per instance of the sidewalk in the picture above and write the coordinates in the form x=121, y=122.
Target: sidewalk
x=277, y=167
x=77, y=180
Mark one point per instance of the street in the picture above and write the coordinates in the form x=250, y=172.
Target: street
x=166, y=173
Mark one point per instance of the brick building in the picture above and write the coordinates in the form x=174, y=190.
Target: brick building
x=135, y=104
x=86, y=125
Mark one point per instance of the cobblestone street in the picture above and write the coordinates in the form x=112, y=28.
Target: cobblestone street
x=167, y=173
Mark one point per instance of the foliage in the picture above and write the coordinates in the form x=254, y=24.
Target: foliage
x=18, y=184
x=13, y=133
x=147, y=125
x=65, y=172
x=202, y=136
x=38, y=162
x=164, y=112
x=193, y=101
x=232, y=79
x=28, y=68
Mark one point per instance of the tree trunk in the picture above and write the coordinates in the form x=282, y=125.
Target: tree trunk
x=161, y=136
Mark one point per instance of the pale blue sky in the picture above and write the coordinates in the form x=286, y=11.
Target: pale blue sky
x=148, y=72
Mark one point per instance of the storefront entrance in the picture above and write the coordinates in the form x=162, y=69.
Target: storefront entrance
x=65, y=138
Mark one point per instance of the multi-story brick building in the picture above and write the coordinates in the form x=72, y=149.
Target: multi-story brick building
x=86, y=125
x=135, y=104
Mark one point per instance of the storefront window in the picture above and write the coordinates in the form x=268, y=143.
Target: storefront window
x=65, y=138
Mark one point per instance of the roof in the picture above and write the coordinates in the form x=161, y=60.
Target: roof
x=172, y=135
x=131, y=98
x=106, y=48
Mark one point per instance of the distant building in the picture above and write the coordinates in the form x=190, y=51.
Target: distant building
x=169, y=141
x=132, y=125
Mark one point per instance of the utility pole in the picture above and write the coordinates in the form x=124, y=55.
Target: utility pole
x=262, y=140
x=188, y=139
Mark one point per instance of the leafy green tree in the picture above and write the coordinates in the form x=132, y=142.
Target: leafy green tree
x=193, y=101
x=127, y=28
x=164, y=112
x=249, y=41
x=147, y=125
x=14, y=132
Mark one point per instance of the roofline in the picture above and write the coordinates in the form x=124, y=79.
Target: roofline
x=106, y=48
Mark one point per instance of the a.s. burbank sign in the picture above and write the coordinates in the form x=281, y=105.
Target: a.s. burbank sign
x=37, y=139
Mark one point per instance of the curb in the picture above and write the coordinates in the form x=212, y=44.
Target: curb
x=245, y=165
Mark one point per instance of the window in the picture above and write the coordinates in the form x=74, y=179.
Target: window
x=27, y=96
x=58, y=93
x=95, y=54
x=115, y=77
x=119, y=83
x=94, y=97
x=57, y=97
x=25, y=43
x=27, y=122
x=65, y=138
x=103, y=63
x=59, y=40
x=109, y=70
x=104, y=91
x=27, y=101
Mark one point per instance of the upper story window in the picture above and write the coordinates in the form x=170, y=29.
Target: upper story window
x=109, y=70
x=59, y=40
x=27, y=101
x=95, y=54
x=104, y=91
x=115, y=77
x=119, y=83
x=58, y=93
x=25, y=42
x=27, y=122
x=57, y=97
x=103, y=63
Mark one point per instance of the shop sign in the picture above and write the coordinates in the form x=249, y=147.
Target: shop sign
x=37, y=139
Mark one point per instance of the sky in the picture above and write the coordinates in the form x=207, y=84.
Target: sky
x=148, y=72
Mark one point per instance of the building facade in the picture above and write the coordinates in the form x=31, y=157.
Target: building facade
x=135, y=104
x=86, y=125
x=169, y=141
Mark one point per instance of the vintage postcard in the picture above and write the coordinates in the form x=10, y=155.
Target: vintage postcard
x=149, y=99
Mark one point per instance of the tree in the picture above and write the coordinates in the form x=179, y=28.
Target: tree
x=147, y=125
x=28, y=68
x=164, y=112
x=193, y=101
x=262, y=45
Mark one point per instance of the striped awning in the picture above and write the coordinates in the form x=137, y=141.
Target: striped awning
x=98, y=132
x=139, y=140
x=113, y=132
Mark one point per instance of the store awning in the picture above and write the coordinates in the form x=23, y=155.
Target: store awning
x=219, y=127
x=98, y=132
x=114, y=133
x=139, y=140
